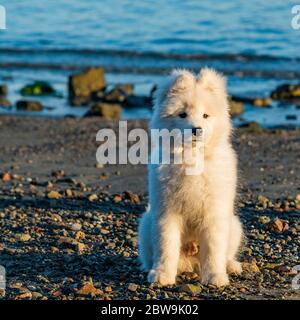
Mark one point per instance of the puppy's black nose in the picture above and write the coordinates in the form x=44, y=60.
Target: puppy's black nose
x=196, y=130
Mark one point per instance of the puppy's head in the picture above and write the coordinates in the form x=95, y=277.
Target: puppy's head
x=186, y=101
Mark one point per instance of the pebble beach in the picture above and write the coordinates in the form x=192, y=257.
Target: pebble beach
x=69, y=225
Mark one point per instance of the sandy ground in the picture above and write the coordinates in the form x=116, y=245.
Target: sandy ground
x=72, y=234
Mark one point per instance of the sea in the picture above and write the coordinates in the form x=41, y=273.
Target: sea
x=256, y=44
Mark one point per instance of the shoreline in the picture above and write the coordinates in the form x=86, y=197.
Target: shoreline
x=44, y=144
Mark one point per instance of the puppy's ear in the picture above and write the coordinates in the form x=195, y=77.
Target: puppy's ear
x=178, y=81
x=213, y=81
x=182, y=80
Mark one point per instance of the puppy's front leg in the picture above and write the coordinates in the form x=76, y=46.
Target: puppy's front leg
x=213, y=252
x=166, y=250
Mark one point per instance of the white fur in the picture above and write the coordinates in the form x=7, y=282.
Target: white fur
x=185, y=208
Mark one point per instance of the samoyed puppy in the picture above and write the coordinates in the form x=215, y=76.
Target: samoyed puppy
x=190, y=225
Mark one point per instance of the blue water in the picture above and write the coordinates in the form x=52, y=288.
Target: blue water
x=251, y=42
x=258, y=27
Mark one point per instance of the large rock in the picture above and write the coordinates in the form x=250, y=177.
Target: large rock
x=38, y=88
x=29, y=105
x=286, y=91
x=105, y=110
x=83, y=85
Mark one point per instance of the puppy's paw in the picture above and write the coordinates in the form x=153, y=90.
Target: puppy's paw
x=216, y=279
x=234, y=267
x=160, y=277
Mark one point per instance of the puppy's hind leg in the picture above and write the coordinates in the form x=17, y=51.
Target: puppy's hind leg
x=145, y=241
x=236, y=234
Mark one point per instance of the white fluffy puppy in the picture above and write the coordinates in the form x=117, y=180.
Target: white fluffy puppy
x=190, y=224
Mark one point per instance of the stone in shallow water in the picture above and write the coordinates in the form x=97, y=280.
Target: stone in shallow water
x=262, y=102
x=119, y=93
x=38, y=88
x=286, y=91
x=236, y=108
x=83, y=85
x=29, y=105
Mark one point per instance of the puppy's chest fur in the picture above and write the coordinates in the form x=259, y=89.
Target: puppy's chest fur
x=185, y=193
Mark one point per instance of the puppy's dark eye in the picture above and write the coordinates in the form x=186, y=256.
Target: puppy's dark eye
x=205, y=115
x=182, y=115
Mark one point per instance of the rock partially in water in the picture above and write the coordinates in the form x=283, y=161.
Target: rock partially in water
x=38, y=88
x=29, y=105
x=262, y=102
x=236, y=108
x=286, y=91
x=119, y=93
x=3, y=90
x=291, y=117
x=258, y=102
x=105, y=110
x=83, y=85
x=127, y=88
